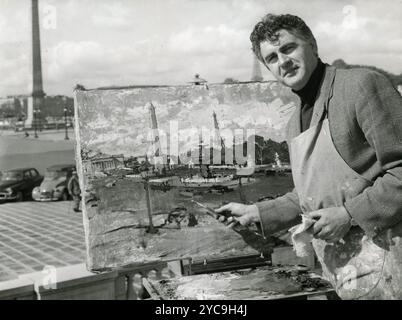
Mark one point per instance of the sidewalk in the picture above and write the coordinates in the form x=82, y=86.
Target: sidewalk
x=52, y=135
x=38, y=234
x=12, y=143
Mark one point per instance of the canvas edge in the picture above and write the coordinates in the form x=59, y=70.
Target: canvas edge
x=78, y=161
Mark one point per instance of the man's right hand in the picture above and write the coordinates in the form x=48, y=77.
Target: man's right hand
x=244, y=214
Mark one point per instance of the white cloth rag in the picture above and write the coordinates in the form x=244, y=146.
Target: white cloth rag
x=301, y=237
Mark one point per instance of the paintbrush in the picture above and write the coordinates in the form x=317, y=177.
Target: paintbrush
x=236, y=225
x=210, y=211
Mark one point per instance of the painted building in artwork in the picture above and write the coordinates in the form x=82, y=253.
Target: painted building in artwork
x=103, y=163
x=197, y=80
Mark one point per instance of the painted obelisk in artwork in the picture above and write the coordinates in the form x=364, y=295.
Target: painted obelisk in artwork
x=37, y=85
x=157, y=156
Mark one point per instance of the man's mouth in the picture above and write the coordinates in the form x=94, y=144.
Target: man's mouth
x=290, y=72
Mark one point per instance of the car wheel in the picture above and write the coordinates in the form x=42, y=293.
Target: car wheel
x=64, y=196
x=20, y=196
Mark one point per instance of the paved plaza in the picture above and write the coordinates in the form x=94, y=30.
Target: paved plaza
x=37, y=234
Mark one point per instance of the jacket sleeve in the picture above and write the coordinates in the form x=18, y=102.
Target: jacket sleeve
x=378, y=108
x=280, y=213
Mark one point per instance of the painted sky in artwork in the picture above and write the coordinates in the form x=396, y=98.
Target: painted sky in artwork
x=118, y=121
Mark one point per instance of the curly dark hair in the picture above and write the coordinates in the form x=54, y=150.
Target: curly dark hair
x=268, y=27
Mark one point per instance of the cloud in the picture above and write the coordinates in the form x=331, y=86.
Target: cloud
x=361, y=39
x=111, y=15
x=102, y=43
x=207, y=40
x=15, y=70
x=95, y=64
x=14, y=22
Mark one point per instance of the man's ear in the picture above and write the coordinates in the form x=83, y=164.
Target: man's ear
x=313, y=45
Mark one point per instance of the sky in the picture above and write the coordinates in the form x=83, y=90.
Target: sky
x=135, y=42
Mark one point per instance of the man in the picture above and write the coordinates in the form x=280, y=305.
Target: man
x=345, y=143
x=75, y=191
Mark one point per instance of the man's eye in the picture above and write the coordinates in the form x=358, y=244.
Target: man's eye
x=288, y=49
x=271, y=59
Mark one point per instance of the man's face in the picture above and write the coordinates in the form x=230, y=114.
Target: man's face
x=291, y=59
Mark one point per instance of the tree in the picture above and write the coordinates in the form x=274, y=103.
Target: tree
x=395, y=79
x=339, y=63
x=79, y=87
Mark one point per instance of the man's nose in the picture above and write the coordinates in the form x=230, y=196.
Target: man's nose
x=284, y=60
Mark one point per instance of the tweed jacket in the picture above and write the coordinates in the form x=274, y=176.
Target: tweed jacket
x=365, y=119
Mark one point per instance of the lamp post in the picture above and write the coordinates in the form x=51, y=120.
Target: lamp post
x=34, y=123
x=39, y=120
x=65, y=124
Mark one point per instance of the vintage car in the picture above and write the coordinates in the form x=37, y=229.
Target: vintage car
x=54, y=186
x=17, y=184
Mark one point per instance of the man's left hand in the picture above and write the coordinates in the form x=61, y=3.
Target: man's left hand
x=332, y=225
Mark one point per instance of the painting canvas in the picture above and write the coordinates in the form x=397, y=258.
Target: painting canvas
x=155, y=161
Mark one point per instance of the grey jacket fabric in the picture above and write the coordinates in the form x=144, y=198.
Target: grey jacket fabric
x=365, y=118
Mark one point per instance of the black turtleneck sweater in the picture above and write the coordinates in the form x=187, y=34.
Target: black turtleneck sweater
x=308, y=95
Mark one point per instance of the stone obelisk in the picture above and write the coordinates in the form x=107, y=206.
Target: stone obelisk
x=37, y=84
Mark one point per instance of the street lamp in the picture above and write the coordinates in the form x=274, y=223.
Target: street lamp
x=39, y=120
x=34, y=123
x=65, y=124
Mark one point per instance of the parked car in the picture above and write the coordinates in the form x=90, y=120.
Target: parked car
x=17, y=184
x=54, y=186
x=5, y=124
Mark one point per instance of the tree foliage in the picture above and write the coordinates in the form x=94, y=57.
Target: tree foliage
x=395, y=79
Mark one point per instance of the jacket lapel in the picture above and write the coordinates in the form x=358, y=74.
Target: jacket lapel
x=323, y=96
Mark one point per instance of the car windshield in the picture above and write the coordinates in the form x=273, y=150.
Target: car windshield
x=55, y=174
x=11, y=176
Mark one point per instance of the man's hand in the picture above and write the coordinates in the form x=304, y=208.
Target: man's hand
x=332, y=225
x=245, y=214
